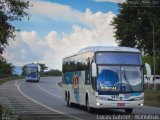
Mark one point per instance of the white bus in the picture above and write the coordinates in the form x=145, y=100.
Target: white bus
x=104, y=77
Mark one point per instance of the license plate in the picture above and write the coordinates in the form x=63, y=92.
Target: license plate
x=120, y=104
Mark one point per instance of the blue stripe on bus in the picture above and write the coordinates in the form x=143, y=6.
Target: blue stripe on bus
x=117, y=93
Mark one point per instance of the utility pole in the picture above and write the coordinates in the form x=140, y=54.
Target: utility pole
x=154, y=62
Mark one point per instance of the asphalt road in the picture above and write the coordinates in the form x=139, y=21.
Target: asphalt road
x=48, y=94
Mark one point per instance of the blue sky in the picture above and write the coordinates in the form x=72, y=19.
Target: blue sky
x=93, y=5
x=58, y=28
x=48, y=24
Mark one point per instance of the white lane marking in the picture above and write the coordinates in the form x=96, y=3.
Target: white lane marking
x=49, y=92
x=43, y=104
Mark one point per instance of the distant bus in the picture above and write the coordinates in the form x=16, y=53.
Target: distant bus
x=32, y=72
x=104, y=77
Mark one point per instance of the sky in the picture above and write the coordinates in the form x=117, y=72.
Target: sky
x=58, y=28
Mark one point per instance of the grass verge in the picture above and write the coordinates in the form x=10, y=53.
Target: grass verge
x=7, y=114
x=10, y=79
x=152, y=97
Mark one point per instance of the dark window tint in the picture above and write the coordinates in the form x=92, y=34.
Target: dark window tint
x=118, y=58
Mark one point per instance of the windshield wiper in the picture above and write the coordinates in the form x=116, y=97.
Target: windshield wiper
x=127, y=80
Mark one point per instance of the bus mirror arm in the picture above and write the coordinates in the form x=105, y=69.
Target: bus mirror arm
x=142, y=66
x=94, y=70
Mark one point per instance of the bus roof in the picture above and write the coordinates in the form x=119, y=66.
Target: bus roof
x=32, y=65
x=108, y=48
x=105, y=48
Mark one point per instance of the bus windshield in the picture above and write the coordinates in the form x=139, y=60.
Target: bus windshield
x=120, y=78
x=118, y=58
x=31, y=71
x=119, y=71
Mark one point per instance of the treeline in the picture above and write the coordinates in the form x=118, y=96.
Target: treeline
x=53, y=73
x=6, y=69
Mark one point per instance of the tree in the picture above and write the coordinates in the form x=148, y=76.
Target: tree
x=135, y=22
x=43, y=67
x=23, y=70
x=10, y=10
x=134, y=27
x=6, y=69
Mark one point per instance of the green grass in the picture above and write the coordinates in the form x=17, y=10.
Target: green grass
x=10, y=79
x=8, y=114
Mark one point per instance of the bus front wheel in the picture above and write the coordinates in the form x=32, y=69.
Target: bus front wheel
x=89, y=109
x=129, y=110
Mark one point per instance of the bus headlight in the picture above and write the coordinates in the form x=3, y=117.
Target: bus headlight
x=98, y=104
x=141, y=104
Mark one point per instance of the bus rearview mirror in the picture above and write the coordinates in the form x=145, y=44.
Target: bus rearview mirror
x=148, y=69
x=94, y=69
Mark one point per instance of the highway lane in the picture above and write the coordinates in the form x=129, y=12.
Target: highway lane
x=48, y=93
x=12, y=98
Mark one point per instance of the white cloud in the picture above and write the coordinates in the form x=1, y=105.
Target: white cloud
x=29, y=47
x=115, y=1
x=56, y=11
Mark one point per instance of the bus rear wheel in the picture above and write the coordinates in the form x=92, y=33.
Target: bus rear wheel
x=129, y=110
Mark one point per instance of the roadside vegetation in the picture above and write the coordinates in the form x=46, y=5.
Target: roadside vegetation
x=52, y=72
x=152, y=95
x=136, y=25
x=10, y=78
x=7, y=114
x=152, y=98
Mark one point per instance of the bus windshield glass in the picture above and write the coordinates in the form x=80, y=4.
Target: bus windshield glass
x=31, y=71
x=119, y=71
x=120, y=78
x=118, y=58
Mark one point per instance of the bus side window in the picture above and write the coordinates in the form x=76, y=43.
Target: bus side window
x=87, y=71
x=93, y=80
x=87, y=79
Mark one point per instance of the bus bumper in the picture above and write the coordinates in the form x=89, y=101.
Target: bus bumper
x=118, y=104
x=31, y=79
